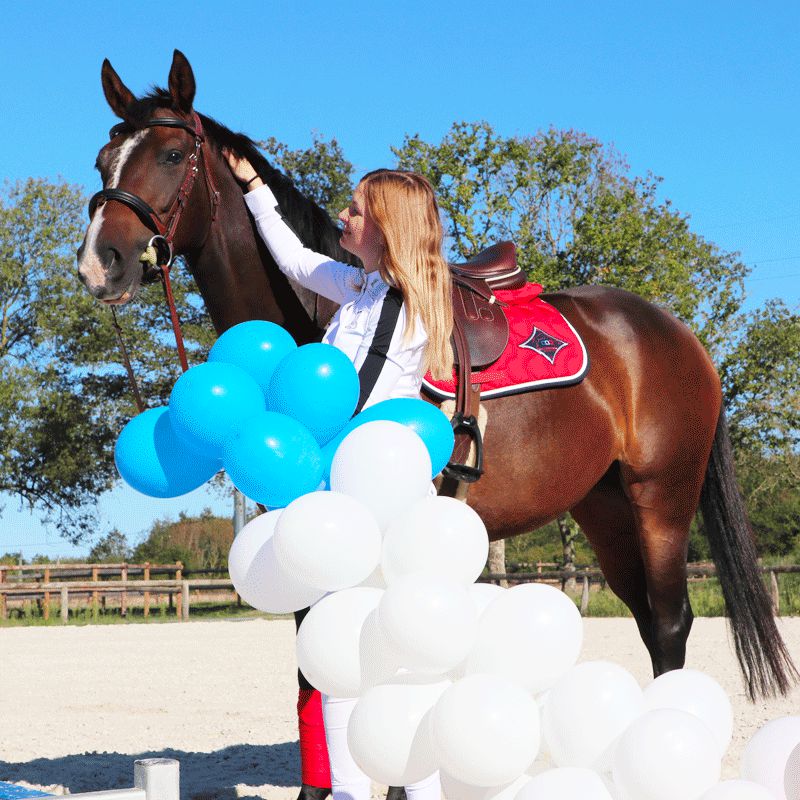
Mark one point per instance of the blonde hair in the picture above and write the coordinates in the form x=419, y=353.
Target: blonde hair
x=403, y=206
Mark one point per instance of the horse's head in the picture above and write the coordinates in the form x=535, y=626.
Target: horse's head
x=148, y=170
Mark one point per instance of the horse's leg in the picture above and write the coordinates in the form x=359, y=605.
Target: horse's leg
x=315, y=770
x=606, y=517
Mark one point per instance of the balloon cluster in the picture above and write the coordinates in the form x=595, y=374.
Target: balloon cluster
x=270, y=413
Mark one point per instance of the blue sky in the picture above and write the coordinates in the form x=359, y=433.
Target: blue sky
x=706, y=95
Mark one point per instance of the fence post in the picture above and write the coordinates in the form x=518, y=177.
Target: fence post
x=147, y=594
x=95, y=593
x=123, y=602
x=3, y=606
x=585, y=596
x=47, y=594
x=64, y=604
x=776, y=598
x=179, y=595
x=185, y=599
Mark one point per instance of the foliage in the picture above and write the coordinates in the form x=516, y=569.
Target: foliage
x=577, y=218
x=64, y=395
x=198, y=542
x=320, y=171
x=113, y=548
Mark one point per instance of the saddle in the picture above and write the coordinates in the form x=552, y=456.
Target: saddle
x=480, y=334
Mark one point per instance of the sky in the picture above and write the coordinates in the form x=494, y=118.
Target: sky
x=705, y=95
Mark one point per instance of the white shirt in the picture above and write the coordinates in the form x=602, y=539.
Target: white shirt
x=395, y=369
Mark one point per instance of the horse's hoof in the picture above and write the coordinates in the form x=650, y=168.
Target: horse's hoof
x=396, y=793
x=313, y=793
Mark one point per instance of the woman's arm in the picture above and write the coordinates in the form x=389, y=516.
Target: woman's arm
x=315, y=271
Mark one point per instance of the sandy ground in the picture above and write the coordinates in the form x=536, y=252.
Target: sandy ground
x=79, y=704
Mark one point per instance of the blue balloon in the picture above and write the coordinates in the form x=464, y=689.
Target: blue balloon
x=317, y=385
x=425, y=419
x=256, y=346
x=209, y=401
x=153, y=460
x=273, y=459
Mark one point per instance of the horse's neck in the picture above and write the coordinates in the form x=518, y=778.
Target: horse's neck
x=237, y=276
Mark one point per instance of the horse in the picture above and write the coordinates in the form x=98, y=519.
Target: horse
x=631, y=451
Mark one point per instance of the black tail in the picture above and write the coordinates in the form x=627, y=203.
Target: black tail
x=762, y=654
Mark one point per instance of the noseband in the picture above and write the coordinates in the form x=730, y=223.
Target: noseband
x=164, y=230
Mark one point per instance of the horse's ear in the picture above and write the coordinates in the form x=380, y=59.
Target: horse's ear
x=181, y=82
x=118, y=95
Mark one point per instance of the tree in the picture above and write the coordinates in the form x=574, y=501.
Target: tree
x=320, y=171
x=112, y=548
x=64, y=396
x=577, y=217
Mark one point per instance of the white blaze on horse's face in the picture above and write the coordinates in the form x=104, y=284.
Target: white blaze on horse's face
x=92, y=265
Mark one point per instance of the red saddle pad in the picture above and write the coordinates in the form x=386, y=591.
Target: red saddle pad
x=544, y=351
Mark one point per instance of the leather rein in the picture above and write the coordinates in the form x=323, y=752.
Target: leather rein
x=160, y=247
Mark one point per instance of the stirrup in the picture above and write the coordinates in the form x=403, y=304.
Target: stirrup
x=464, y=472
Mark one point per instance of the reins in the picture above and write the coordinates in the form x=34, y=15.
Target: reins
x=159, y=253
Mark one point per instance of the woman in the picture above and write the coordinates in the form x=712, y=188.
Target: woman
x=394, y=322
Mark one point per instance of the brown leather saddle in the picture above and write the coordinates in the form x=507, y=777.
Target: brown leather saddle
x=480, y=334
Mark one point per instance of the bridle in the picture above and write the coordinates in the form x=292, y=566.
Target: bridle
x=160, y=253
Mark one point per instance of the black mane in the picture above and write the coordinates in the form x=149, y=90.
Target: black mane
x=312, y=224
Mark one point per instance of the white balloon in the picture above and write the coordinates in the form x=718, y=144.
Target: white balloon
x=485, y=730
x=455, y=789
x=379, y=661
x=531, y=633
x=431, y=622
x=738, y=790
x=666, y=754
x=587, y=710
x=258, y=577
x=765, y=756
x=328, y=540
x=328, y=651
x=482, y=594
x=791, y=775
x=389, y=732
x=699, y=694
x=565, y=783
x=385, y=465
x=440, y=536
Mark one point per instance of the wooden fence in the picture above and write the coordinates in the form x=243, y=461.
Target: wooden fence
x=43, y=581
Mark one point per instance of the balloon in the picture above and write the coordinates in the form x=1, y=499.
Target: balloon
x=455, y=789
x=430, y=622
x=317, y=385
x=209, y=401
x=256, y=346
x=485, y=730
x=153, y=460
x=766, y=755
x=738, y=790
x=379, y=661
x=425, y=419
x=565, y=783
x=587, y=710
x=256, y=574
x=791, y=775
x=440, y=536
x=273, y=460
x=666, y=754
x=385, y=466
x=531, y=633
x=328, y=540
x=328, y=640
x=389, y=732
x=481, y=595
x=699, y=694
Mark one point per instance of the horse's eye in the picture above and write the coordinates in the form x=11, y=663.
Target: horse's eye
x=174, y=157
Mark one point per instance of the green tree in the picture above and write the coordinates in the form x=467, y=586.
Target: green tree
x=577, y=217
x=320, y=171
x=64, y=396
x=113, y=548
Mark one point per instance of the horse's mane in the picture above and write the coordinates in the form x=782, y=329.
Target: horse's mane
x=311, y=223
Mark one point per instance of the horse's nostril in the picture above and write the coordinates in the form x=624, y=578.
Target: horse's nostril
x=113, y=258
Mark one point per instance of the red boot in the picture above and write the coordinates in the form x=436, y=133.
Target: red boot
x=315, y=767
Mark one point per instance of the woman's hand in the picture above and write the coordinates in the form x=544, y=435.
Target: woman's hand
x=242, y=170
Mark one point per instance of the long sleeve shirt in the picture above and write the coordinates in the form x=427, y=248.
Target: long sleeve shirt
x=370, y=324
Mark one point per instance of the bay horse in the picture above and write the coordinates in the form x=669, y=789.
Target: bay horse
x=630, y=452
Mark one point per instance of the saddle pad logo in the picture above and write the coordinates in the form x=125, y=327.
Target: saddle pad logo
x=544, y=344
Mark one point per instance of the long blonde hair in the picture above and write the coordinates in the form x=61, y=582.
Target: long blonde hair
x=403, y=206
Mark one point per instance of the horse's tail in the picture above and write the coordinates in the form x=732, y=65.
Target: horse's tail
x=762, y=653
